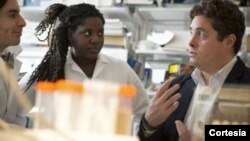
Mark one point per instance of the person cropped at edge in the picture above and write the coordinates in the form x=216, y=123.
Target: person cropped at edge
x=74, y=53
x=11, y=26
x=215, y=40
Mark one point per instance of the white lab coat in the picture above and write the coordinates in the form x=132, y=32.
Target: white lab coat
x=108, y=69
x=9, y=106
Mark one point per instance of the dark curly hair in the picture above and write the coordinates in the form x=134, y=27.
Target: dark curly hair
x=226, y=18
x=2, y=3
x=59, y=19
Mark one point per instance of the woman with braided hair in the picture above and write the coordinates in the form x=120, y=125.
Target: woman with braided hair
x=74, y=53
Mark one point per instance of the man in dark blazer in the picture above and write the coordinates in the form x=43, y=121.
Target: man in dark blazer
x=215, y=40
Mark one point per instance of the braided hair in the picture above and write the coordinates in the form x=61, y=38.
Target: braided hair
x=59, y=19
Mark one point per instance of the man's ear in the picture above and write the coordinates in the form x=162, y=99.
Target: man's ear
x=230, y=40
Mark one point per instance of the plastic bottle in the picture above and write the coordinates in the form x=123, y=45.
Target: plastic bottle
x=124, y=117
x=99, y=109
x=67, y=103
x=44, y=118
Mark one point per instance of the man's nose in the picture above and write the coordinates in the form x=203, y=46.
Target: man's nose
x=192, y=41
x=21, y=21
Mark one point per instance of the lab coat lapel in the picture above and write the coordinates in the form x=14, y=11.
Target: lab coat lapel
x=100, y=65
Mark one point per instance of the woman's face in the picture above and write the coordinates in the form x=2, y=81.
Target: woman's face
x=87, y=40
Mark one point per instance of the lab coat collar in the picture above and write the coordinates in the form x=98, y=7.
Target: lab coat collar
x=100, y=64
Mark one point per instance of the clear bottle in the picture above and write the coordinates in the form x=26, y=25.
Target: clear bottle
x=99, y=109
x=44, y=117
x=125, y=110
x=67, y=103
